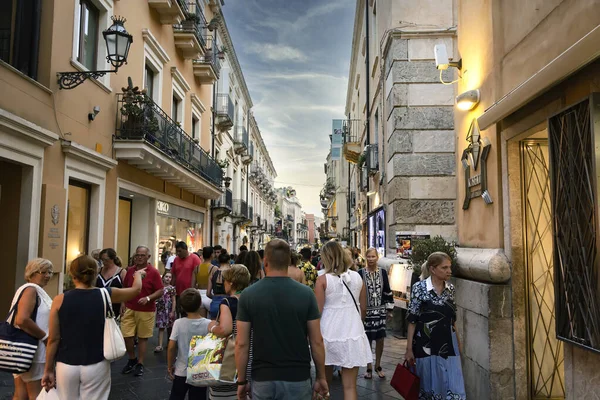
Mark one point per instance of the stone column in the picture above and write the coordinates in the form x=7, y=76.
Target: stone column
x=420, y=139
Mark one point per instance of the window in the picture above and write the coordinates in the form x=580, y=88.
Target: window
x=175, y=109
x=87, y=40
x=195, y=127
x=20, y=33
x=149, y=76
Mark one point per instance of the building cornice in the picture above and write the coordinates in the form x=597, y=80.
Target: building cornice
x=16, y=125
x=86, y=155
x=180, y=79
x=197, y=102
x=155, y=46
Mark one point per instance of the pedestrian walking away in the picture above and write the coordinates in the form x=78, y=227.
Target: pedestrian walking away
x=203, y=272
x=380, y=305
x=138, y=315
x=216, y=287
x=76, y=337
x=341, y=296
x=283, y=314
x=165, y=310
x=432, y=341
x=194, y=324
x=32, y=316
x=309, y=270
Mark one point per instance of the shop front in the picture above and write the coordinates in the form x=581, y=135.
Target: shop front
x=175, y=223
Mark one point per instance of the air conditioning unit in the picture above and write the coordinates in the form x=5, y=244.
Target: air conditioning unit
x=372, y=159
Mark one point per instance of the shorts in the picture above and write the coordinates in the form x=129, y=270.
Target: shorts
x=138, y=323
x=35, y=373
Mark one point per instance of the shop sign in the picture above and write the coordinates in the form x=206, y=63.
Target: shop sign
x=470, y=160
x=162, y=207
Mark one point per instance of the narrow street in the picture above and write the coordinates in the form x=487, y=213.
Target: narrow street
x=155, y=385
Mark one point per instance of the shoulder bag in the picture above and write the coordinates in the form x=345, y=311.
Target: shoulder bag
x=18, y=347
x=114, y=344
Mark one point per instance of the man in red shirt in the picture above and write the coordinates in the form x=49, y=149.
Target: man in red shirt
x=183, y=269
x=138, y=315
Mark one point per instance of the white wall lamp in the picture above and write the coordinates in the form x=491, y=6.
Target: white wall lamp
x=468, y=100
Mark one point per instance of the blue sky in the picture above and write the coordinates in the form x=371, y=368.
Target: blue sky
x=295, y=56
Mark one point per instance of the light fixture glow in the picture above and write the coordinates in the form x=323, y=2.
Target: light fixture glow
x=468, y=100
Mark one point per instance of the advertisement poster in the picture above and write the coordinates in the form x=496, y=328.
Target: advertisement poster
x=405, y=242
x=376, y=225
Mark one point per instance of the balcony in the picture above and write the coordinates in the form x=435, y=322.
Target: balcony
x=251, y=213
x=249, y=156
x=225, y=111
x=223, y=206
x=191, y=33
x=352, y=129
x=240, y=209
x=149, y=139
x=207, y=68
x=170, y=11
x=289, y=218
x=301, y=227
x=240, y=140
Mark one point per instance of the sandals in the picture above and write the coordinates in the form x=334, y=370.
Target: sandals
x=380, y=373
x=158, y=349
x=369, y=374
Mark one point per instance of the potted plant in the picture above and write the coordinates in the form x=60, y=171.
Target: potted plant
x=227, y=181
x=214, y=23
x=421, y=249
x=221, y=53
x=223, y=163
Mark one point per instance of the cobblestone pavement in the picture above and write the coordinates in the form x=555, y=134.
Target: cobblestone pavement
x=155, y=385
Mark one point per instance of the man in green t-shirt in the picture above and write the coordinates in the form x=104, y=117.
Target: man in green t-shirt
x=282, y=314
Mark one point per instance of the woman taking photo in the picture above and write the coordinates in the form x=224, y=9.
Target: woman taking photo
x=33, y=299
x=77, y=334
x=432, y=342
x=252, y=262
x=341, y=297
x=236, y=279
x=111, y=275
x=380, y=305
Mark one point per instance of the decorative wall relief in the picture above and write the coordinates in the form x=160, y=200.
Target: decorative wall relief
x=476, y=185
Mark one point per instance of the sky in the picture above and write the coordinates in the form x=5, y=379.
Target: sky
x=295, y=57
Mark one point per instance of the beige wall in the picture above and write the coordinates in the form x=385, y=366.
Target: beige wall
x=502, y=44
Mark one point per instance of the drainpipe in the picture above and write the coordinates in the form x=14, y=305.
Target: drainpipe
x=348, y=206
x=212, y=151
x=367, y=78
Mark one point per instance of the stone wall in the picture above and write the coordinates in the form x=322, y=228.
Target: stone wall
x=484, y=324
x=420, y=139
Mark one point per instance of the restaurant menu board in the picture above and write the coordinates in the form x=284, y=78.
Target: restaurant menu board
x=405, y=242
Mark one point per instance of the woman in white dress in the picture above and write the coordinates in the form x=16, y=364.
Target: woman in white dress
x=341, y=296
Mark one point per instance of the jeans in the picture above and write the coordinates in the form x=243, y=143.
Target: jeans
x=180, y=389
x=281, y=390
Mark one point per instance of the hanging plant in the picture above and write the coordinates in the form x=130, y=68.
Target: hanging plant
x=361, y=159
x=224, y=163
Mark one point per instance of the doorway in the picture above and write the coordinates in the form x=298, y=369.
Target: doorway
x=545, y=363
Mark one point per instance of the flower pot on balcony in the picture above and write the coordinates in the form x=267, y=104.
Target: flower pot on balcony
x=227, y=181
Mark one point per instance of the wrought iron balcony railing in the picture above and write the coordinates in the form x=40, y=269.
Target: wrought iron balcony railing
x=290, y=218
x=301, y=227
x=225, y=109
x=240, y=208
x=241, y=139
x=139, y=118
x=352, y=130
x=211, y=56
x=250, y=213
x=225, y=201
x=194, y=21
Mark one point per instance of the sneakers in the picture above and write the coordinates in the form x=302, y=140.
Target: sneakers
x=138, y=370
x=129, y=367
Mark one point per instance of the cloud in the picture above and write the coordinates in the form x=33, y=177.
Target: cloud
x=276, y=52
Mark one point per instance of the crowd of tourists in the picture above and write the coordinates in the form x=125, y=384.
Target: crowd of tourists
x=286, y=310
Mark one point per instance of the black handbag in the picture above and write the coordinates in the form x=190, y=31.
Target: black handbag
x=17, y=348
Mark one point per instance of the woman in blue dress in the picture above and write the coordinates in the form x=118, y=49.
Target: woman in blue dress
x=432, y=342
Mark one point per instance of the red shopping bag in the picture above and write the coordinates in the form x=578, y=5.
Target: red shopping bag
x=406, y=382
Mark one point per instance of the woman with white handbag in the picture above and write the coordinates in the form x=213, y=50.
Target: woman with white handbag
x=78, y=340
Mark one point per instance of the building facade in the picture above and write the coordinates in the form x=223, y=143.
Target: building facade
x=334, y=196
x=124, y=159
x=399, y=132
x=529, y=197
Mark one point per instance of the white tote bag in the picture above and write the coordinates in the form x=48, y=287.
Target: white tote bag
x=114, y=344
x=52, y=394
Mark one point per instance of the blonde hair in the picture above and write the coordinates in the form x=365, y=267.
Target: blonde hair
x=372, y=249
x=434, y=260
x=238, y=275
x=36, y=265
x=334, y=258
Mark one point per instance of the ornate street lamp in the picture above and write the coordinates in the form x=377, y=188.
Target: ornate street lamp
x=117, y=41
